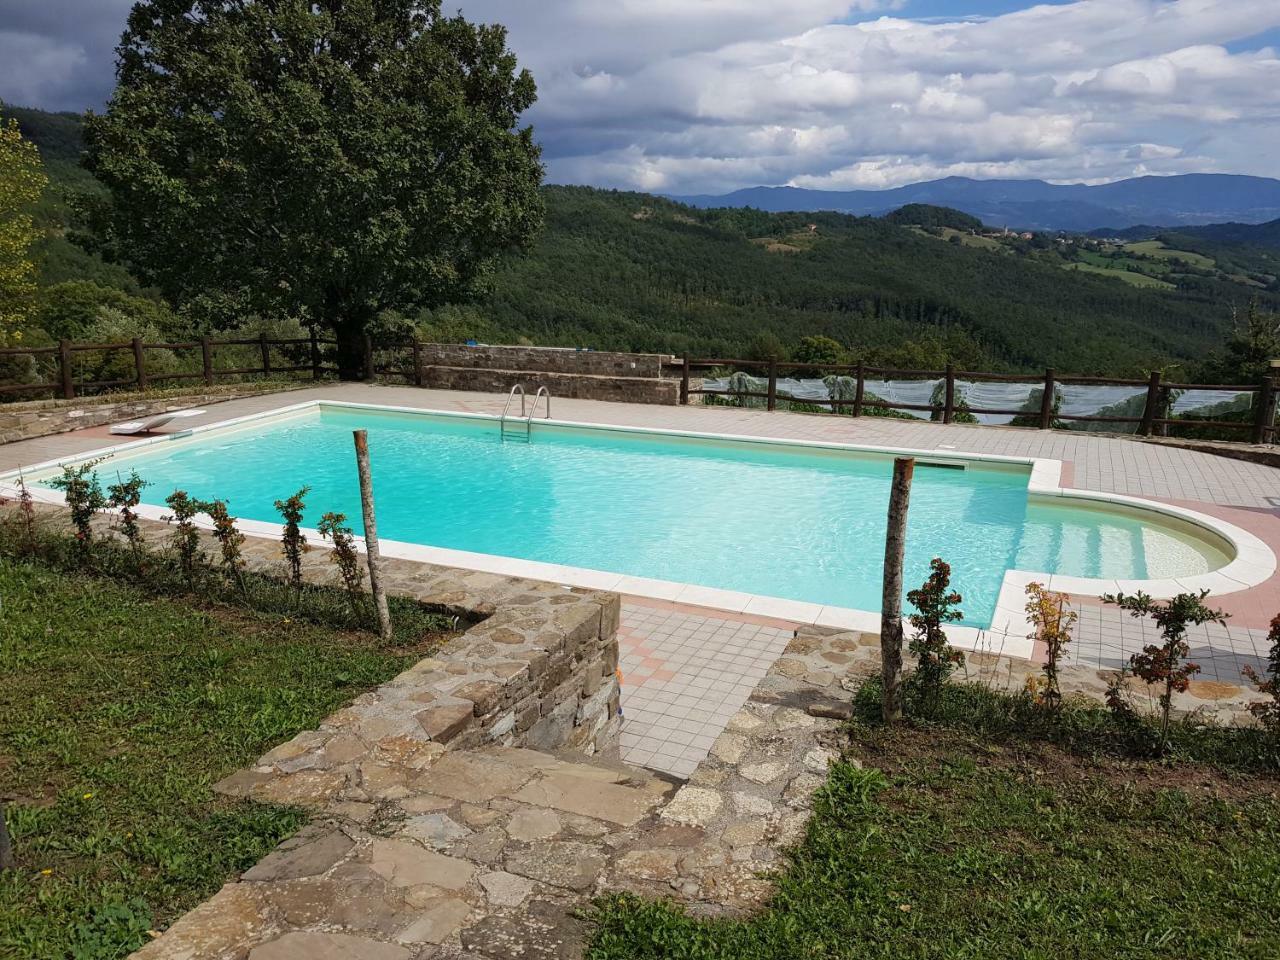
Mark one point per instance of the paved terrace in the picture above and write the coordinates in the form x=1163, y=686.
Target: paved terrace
x=687, y=670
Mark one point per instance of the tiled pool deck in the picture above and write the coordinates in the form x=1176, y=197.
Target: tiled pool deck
x=687, y=670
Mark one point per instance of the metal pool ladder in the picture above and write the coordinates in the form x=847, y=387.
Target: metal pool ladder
x=525, y=418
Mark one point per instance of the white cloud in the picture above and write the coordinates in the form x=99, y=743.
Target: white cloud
x=710, y=95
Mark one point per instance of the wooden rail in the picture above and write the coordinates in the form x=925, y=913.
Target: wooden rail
x=1262, y=427
x=68, y=387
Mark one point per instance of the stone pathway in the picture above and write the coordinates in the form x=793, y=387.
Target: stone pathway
x=491, y=853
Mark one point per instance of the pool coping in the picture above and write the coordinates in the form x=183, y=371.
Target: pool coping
x=1253, y=563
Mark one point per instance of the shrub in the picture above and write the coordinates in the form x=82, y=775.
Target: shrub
x=124, y=496
x=1268, y=712
x=293, y=540
x=83, y=493
x=935, y=603
x=229, y=540
x=186, y=536
x=333, y=526
x=1165, y=663
x=1053, y=623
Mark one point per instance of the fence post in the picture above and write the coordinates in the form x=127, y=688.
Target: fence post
x=417, y=362
x=1046, y=401
x=949, y=407
x=1265, y=414
x=372, y=554
x=1153, y=401
x=206, y=360
x=65, y=371
x=772, y=402
x=140, y=363
x=368, y=358
x=891, y=600
x=859, y=389
x=684, y=379
x=315, y=354
x=265, y=347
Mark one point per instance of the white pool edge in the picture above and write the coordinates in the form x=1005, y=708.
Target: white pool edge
x=1010, y=630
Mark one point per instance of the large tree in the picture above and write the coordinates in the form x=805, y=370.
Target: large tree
x=22, y=180
x=324, y=158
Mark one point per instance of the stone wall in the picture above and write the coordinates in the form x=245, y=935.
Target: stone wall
x=579, y=374
x=623, y=389
x=597, y=363
x=42, y=418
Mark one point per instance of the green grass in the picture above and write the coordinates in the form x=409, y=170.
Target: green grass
x=955, y=845
x=1128, y=276
x=118, y=711
x=1155, y=248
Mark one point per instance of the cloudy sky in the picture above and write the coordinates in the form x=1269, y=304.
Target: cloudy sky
x=691, y=96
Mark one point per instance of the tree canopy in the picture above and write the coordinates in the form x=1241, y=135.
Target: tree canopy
x=22, y=180
x=326, y=159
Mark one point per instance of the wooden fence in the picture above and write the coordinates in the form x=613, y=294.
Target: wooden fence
x=405, y=361
x=67, y=387
x=1262, y=428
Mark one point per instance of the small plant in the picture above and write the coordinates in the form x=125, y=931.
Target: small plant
x=333, y=526
x=26, y=516
x=1268, y=711
x=293, y=540
x=186, y=537
x=124, y=496
x=1165, y=663
x=1053, y=623
x=83, y=493
x=230, y=540
x=935, y=603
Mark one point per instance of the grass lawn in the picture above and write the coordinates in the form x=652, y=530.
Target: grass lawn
x=118, y=710
x=1128, y=276
x=949, y=844
x=1154, y=248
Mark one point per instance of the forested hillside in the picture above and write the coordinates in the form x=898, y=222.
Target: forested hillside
x=633, y=271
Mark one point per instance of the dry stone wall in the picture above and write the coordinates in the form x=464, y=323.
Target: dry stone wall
x=42, y=418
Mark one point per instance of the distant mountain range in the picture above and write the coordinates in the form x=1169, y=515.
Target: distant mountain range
x=1189, y=199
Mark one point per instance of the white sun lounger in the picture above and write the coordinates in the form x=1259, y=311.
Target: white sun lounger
x=151, y=423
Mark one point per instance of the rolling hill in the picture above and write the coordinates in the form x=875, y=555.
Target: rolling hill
x=1037, y=205
x=638, y=272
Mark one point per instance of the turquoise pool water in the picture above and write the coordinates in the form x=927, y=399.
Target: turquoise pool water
x=798, y=523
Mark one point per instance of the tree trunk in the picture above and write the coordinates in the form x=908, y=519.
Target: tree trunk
x=891, y=601
x=351, y=359
x=372, y=554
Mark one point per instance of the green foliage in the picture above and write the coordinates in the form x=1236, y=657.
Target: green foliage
x=964, y=849
x=1268, y=683
x=1047, y=612
x=230, y=541
x=117, y=714
x=1165, y=664
x=292, y=539
x=927, y=215
x=936, y=606
x=334, y=527
x=75, y=310
x=335, y=159
x=820, y=352
x=186, y=535
x=84, y=497
x=124, y=497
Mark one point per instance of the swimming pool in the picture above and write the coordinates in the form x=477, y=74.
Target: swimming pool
x=799, y=522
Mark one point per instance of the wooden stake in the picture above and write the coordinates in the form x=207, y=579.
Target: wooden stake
x=371, y=536
x=6, y=848
x=891, y=601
